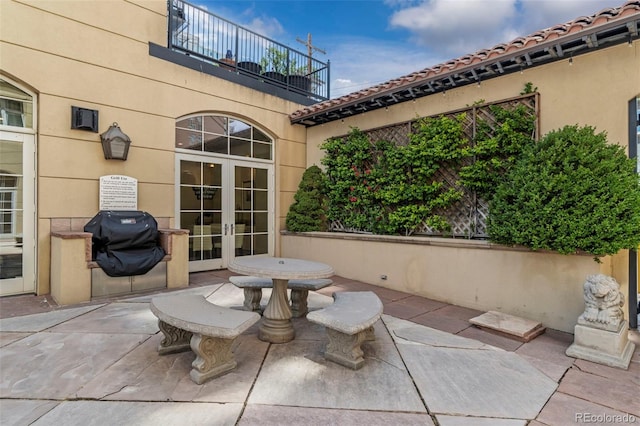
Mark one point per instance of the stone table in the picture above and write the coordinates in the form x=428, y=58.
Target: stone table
x=276, y=326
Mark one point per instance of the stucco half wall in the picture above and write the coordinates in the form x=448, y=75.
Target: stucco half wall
x=540, y=286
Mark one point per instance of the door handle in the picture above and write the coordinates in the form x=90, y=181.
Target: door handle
x=232, y=229
x=226, y=226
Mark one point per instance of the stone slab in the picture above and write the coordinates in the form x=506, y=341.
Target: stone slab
x=44, y=320
x=205, y=291
x=56, y=365
x=23, y=411
x=491, y=338
x=622, y=396
x=407, y=332
x=143, y=375
x=265, y=415
x=451, y=382
x=448, y=375
x=547, y=353
x=117, y=317
x=519, y=328
x=141, y=413
x=563, y=409
x=233, y=297
x=477, y=421
x=296, y=374
x=10, y=337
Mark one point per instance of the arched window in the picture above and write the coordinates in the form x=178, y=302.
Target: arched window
x=16, y=106
x=223, y=135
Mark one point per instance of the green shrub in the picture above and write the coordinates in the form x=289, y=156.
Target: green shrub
x=307, y=213
x=571, y=192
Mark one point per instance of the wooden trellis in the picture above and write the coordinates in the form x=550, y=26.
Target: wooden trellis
x=468, y=217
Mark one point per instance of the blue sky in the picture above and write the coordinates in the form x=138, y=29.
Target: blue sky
x=372, y=41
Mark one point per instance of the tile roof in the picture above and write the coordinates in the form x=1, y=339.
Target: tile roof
x=605, y=28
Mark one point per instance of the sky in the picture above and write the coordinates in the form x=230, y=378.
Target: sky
x=372, y=41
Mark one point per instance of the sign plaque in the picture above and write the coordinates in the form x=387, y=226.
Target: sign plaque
x=118, y=193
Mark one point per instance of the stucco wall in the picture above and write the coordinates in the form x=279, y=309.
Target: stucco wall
x=544, y=287
x=96, y=55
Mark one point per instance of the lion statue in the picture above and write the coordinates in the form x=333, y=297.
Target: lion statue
x=603, y=300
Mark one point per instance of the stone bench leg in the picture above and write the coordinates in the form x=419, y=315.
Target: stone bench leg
x=345, y=349
x=299, y=307
x=252, y=298
x=175, y=339
x=213, y=357
x=369, y=334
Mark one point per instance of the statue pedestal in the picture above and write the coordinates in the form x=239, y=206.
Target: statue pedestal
x=607, y=347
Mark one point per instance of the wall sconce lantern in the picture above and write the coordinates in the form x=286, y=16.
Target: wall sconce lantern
x=115, y=144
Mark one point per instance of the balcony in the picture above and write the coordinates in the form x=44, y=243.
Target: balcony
x=241, y=55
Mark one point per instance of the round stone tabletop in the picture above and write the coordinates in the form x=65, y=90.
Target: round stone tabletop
x=280, y=268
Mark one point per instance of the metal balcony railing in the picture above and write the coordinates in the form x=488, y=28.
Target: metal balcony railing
x=201, y=34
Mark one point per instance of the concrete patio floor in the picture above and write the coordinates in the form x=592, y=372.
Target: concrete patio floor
x=97, y=364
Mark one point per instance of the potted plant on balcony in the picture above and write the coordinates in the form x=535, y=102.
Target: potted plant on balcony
x=275, y=64
x=299, y=78
x=250, y=66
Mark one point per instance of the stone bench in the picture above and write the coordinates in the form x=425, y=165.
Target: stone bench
x=299, y=292
x=190, y=321
x=349, y=322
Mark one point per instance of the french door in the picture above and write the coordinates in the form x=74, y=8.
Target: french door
x=17, y=211
x=227, y=205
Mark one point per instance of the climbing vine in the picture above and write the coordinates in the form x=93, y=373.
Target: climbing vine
x=498, y=143
x=413, y=184
x=382, y=188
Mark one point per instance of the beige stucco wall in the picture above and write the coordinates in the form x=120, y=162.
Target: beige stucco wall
x=544, y=287
x=96, y=55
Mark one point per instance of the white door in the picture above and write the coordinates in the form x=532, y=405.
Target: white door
x=17, y=210
x=227, y=205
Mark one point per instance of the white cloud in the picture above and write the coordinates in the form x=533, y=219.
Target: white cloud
x=358, y=63
x=541, y=14
x=457, y=27
x=266, y=26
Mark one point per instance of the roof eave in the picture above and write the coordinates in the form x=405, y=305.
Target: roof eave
x=621, y=30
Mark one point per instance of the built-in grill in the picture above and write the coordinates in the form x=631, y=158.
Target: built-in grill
x=125, y=243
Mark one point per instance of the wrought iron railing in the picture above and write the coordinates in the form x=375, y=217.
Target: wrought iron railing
x=201, y=34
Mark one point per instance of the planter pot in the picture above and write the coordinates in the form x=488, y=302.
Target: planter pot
x=301, y=82
x=227, y=63
x=251, y=67
x=277, y=76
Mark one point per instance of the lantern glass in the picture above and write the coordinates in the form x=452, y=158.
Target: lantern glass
x=115, y=143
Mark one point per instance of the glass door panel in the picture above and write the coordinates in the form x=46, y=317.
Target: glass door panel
x=251, y=210
x=201, y=211
x=17, y=236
